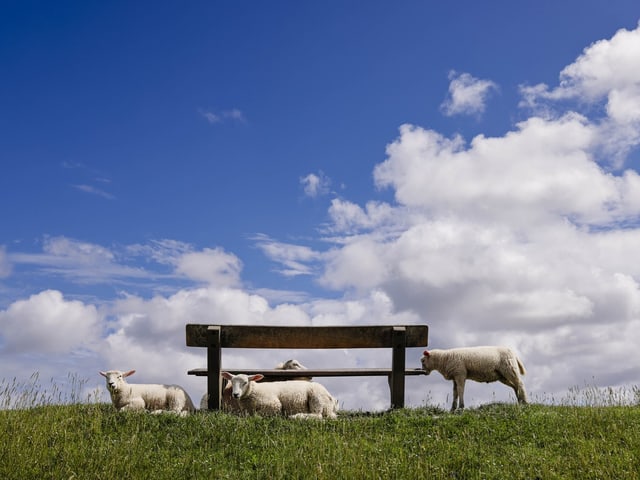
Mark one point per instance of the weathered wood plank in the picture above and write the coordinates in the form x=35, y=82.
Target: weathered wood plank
x=335, y=372
x=214, y=361
x=278, y=337
x=396, y=380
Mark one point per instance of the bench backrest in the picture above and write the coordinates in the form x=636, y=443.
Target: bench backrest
x=260, y=336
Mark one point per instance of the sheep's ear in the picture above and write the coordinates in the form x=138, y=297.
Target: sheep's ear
x=103, y=374
x=129, y=373
x=257, y=377
x=226, y=375
x=426, y=353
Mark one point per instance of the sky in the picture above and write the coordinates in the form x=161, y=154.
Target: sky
x=474, y=169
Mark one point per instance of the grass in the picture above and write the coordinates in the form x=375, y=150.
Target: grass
x=91, y=440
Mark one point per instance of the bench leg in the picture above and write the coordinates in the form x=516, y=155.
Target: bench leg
x=214, y=363
x=399, y=342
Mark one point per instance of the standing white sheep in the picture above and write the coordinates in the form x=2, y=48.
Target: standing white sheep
x=152, y=397
x=482, y=364
x=294, y=398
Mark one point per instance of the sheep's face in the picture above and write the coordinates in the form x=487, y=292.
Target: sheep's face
x=426, y=364
x=115, y=379
x=241, y=383
x=292, y=364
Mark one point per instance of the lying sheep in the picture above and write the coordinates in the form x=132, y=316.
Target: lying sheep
x=152, y=397
x=295, y=398
x=230, y=404
x=482, y=364
x=291, y=364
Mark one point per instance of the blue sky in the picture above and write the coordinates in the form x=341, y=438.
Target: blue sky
x=469, y=167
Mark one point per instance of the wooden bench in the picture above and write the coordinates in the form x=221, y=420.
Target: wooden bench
x=396, y=337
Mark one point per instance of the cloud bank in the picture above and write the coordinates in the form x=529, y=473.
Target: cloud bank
x=528, y=239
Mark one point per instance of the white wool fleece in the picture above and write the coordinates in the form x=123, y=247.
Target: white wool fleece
x=152, y=397
x=290, y=398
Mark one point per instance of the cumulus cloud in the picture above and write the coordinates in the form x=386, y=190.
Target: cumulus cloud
x=315, y=185
x=48, y=323
x=349, y=217
x=213, y=266
x=605, y=74
x=467, y=94
x=543, y=169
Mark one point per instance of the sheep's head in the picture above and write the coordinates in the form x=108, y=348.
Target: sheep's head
x=426, y=362
x=241, y=383
x=292, y=364
x=115, y=379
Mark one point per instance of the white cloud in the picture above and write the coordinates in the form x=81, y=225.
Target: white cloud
x=76, y=251
x=94, y=191
x=165, y=251
x=82, y=262
x=292, y=257
x=544, y=169
x=5, y=266
x=467, y=94
x=46, y=323
x=234, y=115
x=605, y=73
x=213, y=266
x=348, y=217
x=315, y=185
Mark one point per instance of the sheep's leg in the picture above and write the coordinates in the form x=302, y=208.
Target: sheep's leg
x=316, y=406
x=458, y=394
x=306, y=416
x=175, y=401
x=460, y=384
x=518, y=387
x=134, y=404
x=521, y=393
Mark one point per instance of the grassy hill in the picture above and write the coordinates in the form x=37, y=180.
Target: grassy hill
x=495, y=441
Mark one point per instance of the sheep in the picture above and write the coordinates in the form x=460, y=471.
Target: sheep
x=482, y=364
x=151, y=397
x=230, y=404
x=291, y=364
x=295, y=398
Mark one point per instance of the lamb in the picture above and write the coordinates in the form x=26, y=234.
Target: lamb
x=291, y=364
x=230, y=404
x=482, y=364
x=151, y=397
x=294, y=398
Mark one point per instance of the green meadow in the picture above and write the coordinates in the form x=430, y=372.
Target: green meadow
x=595, y=438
